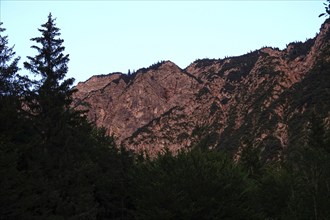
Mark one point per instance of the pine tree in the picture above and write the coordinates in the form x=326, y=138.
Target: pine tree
x=8, y=66
x=309, y=167
x=250, y=158
x=73, y=167
x=52, y=95
x=327, y=9
x=8, y=76
x=12, y=87
x=55, y=158
x=12, y=129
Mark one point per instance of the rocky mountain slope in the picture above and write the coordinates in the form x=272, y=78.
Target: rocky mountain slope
x=263, y=97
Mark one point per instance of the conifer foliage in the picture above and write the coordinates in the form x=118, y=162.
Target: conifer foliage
x=8, y=122
x=8, y=81
x=8, y=65
x=327, y=9
x=53, y=163
x=51, y=97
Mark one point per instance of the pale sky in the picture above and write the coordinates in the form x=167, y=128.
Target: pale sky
x=114, y=36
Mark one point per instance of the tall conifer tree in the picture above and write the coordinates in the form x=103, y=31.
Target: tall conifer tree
x=8, y=66
x=73, y=167
x=10, y=86
x=52, y=95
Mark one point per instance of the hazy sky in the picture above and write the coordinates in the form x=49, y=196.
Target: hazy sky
x=110, y=36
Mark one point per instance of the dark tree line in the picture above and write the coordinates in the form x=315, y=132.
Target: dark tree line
x=56, y=165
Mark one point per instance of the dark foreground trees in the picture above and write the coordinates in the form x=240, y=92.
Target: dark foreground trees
x=210, y=185
x=193, y=185
x=54, y=164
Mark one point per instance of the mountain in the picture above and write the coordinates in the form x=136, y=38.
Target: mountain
x=265, y=97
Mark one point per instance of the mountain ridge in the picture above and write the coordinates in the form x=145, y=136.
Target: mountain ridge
x=214, y=102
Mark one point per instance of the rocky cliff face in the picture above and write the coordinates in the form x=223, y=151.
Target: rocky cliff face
x=263, y=97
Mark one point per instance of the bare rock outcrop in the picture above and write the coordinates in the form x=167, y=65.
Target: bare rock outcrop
x=212, y=102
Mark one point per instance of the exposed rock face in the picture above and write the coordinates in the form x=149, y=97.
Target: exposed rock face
x=216, y=103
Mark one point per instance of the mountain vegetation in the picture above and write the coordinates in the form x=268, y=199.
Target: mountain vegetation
x=56, y=164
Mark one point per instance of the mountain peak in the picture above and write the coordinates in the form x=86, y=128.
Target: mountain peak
x=217, y=102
